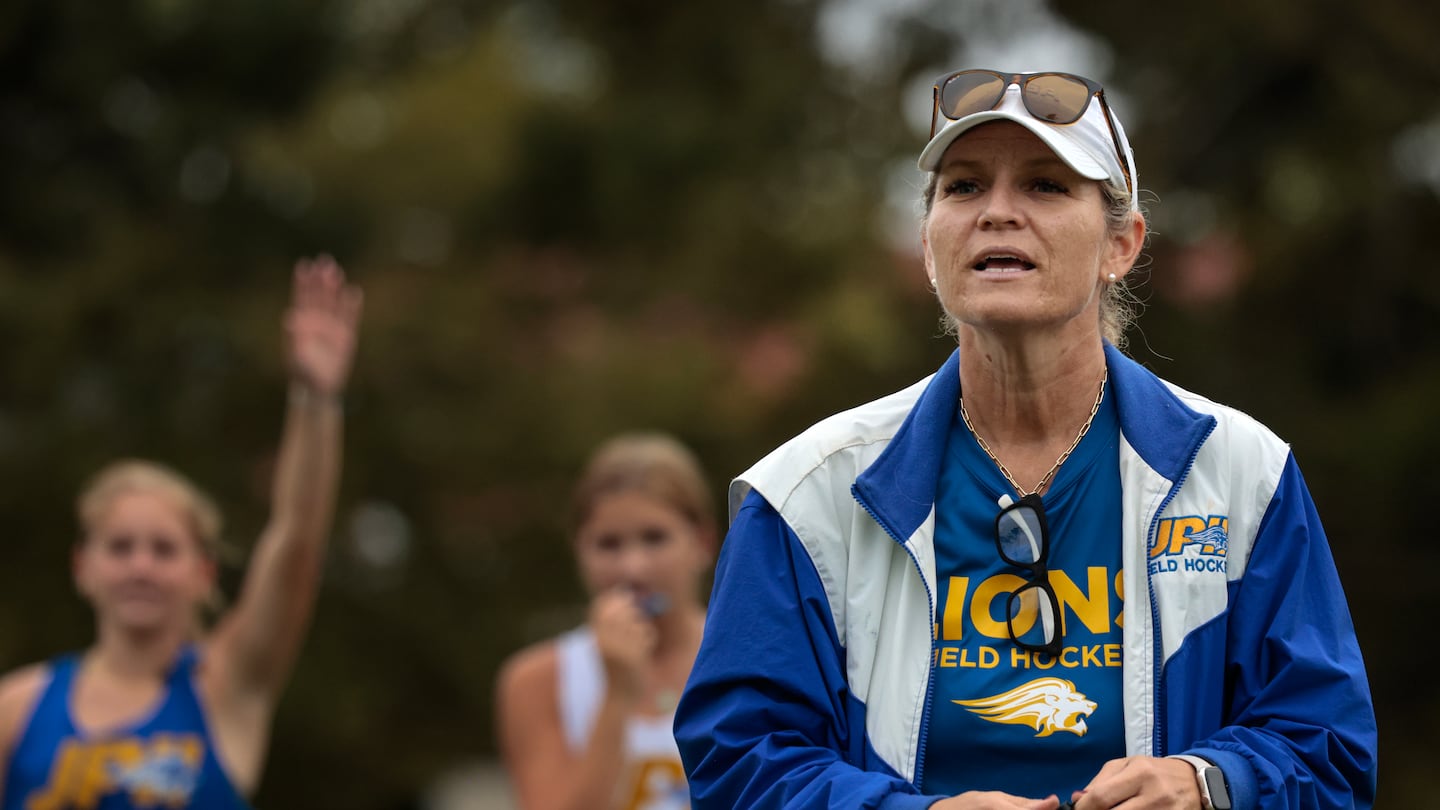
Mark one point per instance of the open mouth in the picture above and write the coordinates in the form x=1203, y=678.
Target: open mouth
x=1003, y=264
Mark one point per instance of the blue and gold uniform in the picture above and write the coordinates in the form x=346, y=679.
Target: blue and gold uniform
x=654, y=777
x=165, y=760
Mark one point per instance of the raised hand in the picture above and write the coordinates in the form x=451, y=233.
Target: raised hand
x=321, y=326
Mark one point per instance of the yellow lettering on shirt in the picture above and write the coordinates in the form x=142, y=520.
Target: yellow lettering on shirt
x=657, y=780
x=1094, y=609
x=954, y=623
x=84, y=772
x=986, y=604
x=982, y=615
x=1120, y=597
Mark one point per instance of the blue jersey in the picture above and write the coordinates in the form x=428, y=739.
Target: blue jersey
x=165, y=760
x=1002, y=718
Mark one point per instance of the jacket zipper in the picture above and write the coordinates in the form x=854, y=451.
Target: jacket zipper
x=923, y=731
x=1157, y=732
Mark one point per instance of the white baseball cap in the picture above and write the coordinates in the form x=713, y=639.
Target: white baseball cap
x=1085, y=145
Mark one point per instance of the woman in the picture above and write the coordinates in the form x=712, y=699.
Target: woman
x=156, y=713
x=1042, y=573
x=585, y=718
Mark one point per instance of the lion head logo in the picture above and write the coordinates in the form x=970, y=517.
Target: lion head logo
x=1047, y=705
x=1213, y=540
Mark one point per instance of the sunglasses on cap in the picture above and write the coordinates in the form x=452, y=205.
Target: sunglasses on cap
x=1055, y=98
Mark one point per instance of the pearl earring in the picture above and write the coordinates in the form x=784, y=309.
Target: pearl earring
x=1112, y=278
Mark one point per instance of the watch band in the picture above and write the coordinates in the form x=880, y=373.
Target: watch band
x=1214, y=790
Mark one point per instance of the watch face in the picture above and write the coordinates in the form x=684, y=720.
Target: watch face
x=1216, y=787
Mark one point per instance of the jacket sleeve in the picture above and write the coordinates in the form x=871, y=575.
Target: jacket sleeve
x=767, y=719
x=1301, y=727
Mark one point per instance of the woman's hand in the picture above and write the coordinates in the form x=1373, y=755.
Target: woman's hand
x=1142, y=782
x=321, y=326
x=626, y=638
x=994, y=800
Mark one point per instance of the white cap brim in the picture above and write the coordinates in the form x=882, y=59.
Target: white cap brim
x=1086, y=145
x=1074, y=157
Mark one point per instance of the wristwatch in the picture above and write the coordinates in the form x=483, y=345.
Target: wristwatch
x=1214, y=790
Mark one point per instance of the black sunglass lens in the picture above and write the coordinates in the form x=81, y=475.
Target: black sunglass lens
x=970, y=92
x=1057, y=99
x=1033, y=616
x=1020, y=535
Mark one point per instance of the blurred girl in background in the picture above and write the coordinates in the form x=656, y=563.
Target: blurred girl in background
x=588, y=715
x=156, y=712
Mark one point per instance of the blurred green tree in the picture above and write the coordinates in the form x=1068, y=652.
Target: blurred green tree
x=569, y=220
x=573, y=218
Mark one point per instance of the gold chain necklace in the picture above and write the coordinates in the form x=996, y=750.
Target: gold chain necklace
x=1045, y=479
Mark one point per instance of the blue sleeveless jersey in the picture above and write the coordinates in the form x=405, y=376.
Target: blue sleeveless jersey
x=166, y=760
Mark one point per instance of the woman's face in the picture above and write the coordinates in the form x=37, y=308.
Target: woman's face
x=140, y=565
x=1016, y=241
x=635, y=541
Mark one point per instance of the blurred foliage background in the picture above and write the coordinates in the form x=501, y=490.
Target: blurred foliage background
x=573, y=217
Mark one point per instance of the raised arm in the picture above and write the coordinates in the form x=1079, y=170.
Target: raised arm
x=256, y=644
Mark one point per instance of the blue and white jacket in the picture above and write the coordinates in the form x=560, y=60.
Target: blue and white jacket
x=811, y=688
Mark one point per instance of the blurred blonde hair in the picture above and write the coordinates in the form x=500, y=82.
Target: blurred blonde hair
x=136, y=475
x=655, y=464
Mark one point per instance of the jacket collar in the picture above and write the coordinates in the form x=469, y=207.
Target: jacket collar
x=899, y=488
x=1165, y=432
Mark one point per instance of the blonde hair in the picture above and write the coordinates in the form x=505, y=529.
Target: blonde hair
x=654, y=464
x=135, y=475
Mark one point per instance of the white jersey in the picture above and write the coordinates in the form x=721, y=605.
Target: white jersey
x=654, y=777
